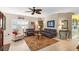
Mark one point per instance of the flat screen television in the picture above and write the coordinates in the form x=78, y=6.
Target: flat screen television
x=51, y=23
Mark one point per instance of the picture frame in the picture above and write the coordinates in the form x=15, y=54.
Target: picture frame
x=65, y=24
x=4, y=23
x=51, y=23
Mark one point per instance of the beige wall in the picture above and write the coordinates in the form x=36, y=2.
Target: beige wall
x=57, y=17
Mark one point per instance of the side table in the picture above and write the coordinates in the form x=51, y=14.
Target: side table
x=67, y=33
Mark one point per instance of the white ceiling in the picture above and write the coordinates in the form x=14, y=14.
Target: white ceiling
x=45, y=10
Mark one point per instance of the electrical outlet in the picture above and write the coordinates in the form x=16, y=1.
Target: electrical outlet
x=8, y=34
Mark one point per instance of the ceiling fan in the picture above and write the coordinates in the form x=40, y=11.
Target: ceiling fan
x=34, y=10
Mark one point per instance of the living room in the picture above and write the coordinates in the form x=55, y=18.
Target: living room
x=49, y=31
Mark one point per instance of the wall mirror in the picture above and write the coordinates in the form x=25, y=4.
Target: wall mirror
x=64, y=24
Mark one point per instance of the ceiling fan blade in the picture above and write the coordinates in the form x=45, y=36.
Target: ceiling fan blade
x=28, y=11
x=38, y=12
x=31, y=9
x=33, y=13
x=39, y=9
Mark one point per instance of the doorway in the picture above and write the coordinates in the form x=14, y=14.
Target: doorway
x=1, y=31
x=75, y=27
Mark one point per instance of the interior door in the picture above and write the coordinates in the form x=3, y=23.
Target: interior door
x=1, y=31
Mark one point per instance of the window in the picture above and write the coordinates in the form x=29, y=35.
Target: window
x=19, y=23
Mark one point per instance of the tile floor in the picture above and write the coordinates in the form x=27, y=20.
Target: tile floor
x=19, y=46
x=62, y=45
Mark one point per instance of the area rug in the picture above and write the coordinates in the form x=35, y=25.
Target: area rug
x=36, y=44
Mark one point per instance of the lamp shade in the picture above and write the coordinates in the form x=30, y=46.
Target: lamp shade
x=38, y=26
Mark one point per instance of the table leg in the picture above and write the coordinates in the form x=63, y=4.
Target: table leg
x=60, y=35
x=66, y=35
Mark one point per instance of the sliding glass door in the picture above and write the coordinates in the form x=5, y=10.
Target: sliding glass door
x=75, y=27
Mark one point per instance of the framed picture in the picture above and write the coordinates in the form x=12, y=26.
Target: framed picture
x=4, y=23
x=51, y=23
x=65, y=24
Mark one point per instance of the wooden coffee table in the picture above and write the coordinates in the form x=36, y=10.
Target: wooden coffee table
x=38, y=35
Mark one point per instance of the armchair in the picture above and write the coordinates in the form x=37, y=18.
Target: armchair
x=18, y=35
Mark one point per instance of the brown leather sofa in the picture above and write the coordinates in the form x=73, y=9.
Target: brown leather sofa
x=30, y=32
x=50, y=33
